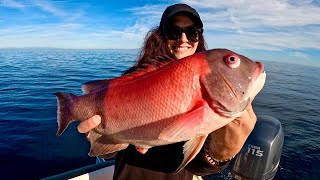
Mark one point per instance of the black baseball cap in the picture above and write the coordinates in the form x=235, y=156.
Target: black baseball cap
x=180, y=8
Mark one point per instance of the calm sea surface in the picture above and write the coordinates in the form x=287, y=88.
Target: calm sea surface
x=30, y=149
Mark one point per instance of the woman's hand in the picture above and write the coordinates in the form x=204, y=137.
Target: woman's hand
x=86, y=125
x=227, y=141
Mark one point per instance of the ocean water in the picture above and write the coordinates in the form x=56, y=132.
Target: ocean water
x=29, y=148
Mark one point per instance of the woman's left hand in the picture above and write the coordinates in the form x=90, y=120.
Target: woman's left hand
x=89, y=124
x=227, y=141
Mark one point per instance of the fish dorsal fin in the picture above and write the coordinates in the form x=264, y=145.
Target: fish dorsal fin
x=92, y=86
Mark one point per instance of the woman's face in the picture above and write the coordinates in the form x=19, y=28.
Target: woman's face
x=182, y=47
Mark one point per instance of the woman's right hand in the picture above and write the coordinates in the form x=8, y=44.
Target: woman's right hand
x=87, y=125
x=228, y=140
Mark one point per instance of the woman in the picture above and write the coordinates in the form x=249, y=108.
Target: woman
x=178, y=35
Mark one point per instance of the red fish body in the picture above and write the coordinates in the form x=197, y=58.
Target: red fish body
x=182, y=101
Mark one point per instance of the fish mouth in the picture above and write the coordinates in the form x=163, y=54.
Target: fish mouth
x=223, y=111
x=260, y=78
x=259, y=69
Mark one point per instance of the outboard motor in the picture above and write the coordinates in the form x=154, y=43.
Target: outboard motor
x=260, y=155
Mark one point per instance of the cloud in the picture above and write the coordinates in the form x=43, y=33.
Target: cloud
x=270, y=40
x=37, y=35
x=276, y=25
x=147, y=15
x=67, y=35
x=269, y=25
x=255, y=14
x=301, y=55
x=11, y=4
x=146, y=18
x=39, y=29
x=48, y=7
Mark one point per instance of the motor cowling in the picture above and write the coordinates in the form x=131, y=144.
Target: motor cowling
x=260, y=156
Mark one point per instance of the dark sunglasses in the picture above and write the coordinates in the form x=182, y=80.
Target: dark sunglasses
x=174, y=33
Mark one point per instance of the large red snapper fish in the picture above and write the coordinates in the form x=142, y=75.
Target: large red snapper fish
x=184, y=100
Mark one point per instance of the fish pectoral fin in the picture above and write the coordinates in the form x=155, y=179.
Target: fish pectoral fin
x=186, y=126
x=98, y=149
x=190, y=149
x=103, y=145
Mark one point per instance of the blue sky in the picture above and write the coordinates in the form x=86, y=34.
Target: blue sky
x=276, y=30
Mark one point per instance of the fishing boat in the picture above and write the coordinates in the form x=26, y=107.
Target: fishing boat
x=258, y=159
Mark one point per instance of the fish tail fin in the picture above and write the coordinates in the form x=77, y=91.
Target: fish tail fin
x=64, y=113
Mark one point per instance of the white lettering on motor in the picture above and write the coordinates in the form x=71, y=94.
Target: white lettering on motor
x=255, y=150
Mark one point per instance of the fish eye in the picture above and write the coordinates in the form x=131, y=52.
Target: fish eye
x=233, y=61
